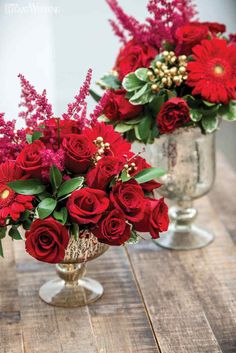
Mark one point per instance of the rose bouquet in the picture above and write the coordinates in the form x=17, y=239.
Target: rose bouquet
x=172, y=71
x=72, y=177
x=173, y=82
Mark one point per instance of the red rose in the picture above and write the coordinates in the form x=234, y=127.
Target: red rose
x=113, y=229
x=190, y=35
x=141, y=164
x=78, y=153
x=105, y=170
x=87, y=205
x=173, y=114
x=119, y=108
x=215, y=27
x=47, y=240
x=30, y=159
x=129, y=198
x=155, y=218
x=133, y=56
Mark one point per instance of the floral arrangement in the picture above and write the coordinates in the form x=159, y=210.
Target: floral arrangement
x=172, y=71
x=70, y=176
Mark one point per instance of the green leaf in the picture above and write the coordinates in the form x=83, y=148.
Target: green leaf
x=143, y=96
x=132, y=83
x=104, y=119
x=124, y=177
x=134, y=238
x=149, y=174
x=144, y=128
x=27, y=187
x=3, y=231
x=134, y=121
x=141, y=74
x=109, y=81
x=136, y=130
x=208, y=104
x=228, y=112
x=36, y=135
x=55, y=177
x=1, y=248
x=94, y=95
x=61, y=216
x=75, y=231
x=195, y=115
x=14, y=233
x=44, y=195
x=69, y=186
x=29, y=138
x=122, y=127
x=156, y=104
x=210, y=123
x=46, y=207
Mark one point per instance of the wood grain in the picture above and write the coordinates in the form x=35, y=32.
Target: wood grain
x=11, y=340
x=107, y=326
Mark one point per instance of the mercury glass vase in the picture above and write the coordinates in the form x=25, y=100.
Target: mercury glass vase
x=71, y=288
x=188, y=157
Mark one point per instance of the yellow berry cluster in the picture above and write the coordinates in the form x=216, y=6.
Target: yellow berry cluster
x=169, y=72
x=130, y=168
x=102, y=147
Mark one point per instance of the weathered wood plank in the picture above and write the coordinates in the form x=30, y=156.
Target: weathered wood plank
x=223, y=195
x=11, y=340
x=117, y=323
x=192, y=301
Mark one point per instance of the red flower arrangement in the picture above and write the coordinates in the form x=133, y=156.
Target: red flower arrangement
x=170, y=58
x=62, y=174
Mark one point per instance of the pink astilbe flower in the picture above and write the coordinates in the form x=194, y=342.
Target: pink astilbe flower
x=165, y=17
x=98, y=111
x=36, y=106
x=11, y=140
x=77, y=109
x=50, y=158
x=118, y=31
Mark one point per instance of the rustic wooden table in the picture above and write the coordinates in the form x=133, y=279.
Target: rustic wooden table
x=155, y=300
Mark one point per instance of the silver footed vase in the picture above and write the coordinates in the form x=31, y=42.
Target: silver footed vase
x=71, y=288
x=188, y=157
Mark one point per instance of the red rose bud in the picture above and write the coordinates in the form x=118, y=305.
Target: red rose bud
x=113, y=229
x=215, y=27
x=129, y=198
x=119, y=108
x=47, y=240
x=78, y=153
x=30, y=159
x=87, y=205
x=190, y=35
x=173, y=114
x=133, y=56
x=155, y=219
x=106, y=169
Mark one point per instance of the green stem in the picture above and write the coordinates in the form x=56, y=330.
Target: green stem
x=1, y=249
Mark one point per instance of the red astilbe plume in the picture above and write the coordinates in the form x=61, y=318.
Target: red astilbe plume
x=11, y=140
x=78, y=109
x=37, y=109
x=99, y=109
x=165, y=17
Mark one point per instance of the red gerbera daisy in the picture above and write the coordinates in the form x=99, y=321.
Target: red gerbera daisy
x=213, y=72
x=11, y=204
x=118, y=146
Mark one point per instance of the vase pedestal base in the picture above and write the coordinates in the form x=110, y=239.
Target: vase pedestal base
x=195, y=238
x=57, y=292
